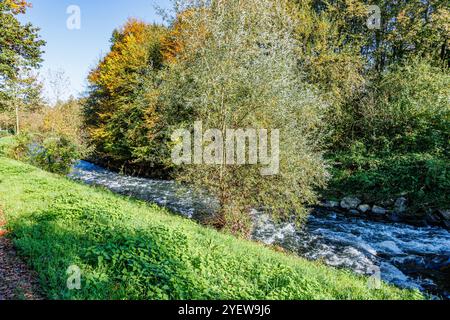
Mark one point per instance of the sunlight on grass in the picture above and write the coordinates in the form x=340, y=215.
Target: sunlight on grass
x=128, y=249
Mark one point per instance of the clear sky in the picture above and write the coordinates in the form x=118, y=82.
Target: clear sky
x=77, y=51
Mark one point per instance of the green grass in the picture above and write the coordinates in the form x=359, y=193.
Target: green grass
x=5, y=143
x=128, y=249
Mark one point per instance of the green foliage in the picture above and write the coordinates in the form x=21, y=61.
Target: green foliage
x=343, y=56
x=409, y=111
x=64, y=119
x=398, y=138
x=20, y=44
x=409, y=29
x=231, y=76
x=129, y=250
x=55, y=154
x=5, y=144
x=122, y=98
x=386, y=89
x=4, y=133
x=20, y=147
x=422, y=177
x=330, y=35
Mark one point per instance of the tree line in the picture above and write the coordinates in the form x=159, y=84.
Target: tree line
x=360, y=110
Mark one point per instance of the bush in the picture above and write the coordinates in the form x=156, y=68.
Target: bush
x=409, y=111
x=19, y=147
x=398, y=139
x=422, y=177
x=5, y=145
x=55, y=154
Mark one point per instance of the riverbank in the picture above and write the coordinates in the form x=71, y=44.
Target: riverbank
x=127, y=249
x=389, y=210
x=405, y=255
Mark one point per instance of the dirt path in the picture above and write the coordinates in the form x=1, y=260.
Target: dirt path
x=17, y=281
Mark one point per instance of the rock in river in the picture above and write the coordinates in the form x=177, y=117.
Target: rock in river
x=350, y=203
x=379, y=210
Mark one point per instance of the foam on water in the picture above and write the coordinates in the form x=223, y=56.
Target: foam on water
x=406, y=256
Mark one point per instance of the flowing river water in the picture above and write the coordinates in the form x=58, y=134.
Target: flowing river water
x=407, y=256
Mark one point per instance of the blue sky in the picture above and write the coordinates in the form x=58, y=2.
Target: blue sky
x=77, y=51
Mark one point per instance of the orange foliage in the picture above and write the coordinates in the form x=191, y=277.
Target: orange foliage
x=174, y=43
x=129, y=53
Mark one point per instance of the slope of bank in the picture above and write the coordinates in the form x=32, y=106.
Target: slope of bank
x=127, y=249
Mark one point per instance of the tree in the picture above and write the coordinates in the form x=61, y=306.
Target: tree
x=20, y=44
x=23, y=93
x=410, y=29
x=120, y=107
x=59, y=85
x=20, y=52
x=330, y=39
x=237, y=71
x=343, y=57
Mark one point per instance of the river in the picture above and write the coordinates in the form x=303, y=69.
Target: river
x=404, y=255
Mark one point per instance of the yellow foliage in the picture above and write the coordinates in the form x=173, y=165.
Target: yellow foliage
x=18, y=6
x=174, y=43
x=129, y=53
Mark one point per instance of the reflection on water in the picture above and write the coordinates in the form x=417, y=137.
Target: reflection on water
x=407, y=256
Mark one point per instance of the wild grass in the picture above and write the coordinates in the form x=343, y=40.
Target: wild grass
x=128, y=249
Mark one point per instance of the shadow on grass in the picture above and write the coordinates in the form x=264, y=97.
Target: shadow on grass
x=116, y=262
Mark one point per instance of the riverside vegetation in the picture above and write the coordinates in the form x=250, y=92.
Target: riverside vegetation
x=128, y=249
x=361, y=112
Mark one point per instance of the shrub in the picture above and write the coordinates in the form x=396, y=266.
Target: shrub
x=423, y=178
x=18, y=149
x=239, y=70
x=55, y=154
x=5, y=144
x=398, y=138
x=409, y=110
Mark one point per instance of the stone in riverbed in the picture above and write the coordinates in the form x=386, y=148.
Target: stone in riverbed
x=330, y=204
x=354, y=212
x=350, y=203
x=379, y=210
x=400, y=205
x=364, y=208
x=395, y=217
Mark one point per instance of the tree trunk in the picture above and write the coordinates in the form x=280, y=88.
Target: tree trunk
x=17, y=121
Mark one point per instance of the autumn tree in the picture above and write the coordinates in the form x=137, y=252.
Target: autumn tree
x=330, y=41
x=123, y=90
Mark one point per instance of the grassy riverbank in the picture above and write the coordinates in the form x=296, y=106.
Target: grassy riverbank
x=127, y=249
